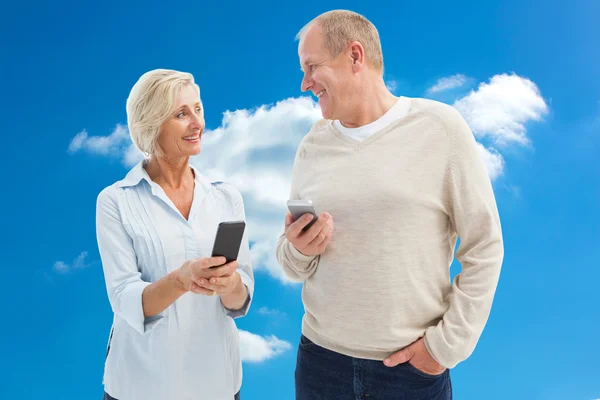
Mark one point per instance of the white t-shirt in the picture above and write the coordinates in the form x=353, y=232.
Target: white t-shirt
x=399, y=110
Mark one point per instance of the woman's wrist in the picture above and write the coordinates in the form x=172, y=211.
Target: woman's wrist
x=177, y=282
x=236, y=299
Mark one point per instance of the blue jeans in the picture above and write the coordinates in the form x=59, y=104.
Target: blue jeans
x=322, y=374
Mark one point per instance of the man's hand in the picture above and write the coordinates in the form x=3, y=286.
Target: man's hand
x=315, y=239
x=416, y=354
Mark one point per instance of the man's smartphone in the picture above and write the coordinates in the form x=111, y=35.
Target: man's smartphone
x=300, y=207
x=228, y=240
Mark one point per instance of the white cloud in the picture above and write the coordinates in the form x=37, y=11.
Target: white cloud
x=267, y=311
x=392, y=85
x=60, y=267
x=494, y=162
x=117, y=143
x=132, y=156
x=78, y=141
x=501, y=108
x=79, y=262
x=255, y=348
x=447, y=83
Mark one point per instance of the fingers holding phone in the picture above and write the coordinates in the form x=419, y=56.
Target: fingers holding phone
x=309, y=234
x=216, y=275
x=297, y=226
x=223, y=270
x=193, y=270
x=323, y=235
x=221, y=281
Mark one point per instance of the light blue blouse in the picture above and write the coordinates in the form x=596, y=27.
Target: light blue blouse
x=191, y=350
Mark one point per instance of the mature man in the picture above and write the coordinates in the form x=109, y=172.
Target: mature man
x=403, y=179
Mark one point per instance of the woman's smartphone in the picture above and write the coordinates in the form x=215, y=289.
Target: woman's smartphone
x=228, y=240
x=300, y=207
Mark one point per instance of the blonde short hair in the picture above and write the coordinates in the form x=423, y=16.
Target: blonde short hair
x=341, y=27
x=151, y=102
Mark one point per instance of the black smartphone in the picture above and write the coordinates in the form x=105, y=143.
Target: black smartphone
x=228, y=240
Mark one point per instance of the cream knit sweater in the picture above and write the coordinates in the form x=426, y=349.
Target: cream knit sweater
x=399, y=200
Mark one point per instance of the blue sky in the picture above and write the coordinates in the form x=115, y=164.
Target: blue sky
x=524, y=75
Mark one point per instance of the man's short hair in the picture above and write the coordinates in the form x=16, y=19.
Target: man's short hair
x=341, y=27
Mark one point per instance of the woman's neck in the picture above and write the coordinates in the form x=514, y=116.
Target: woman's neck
x=170, y=173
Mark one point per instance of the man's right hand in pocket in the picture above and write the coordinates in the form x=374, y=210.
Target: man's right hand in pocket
x=315, y=239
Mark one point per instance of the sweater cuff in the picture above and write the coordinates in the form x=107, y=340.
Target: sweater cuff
x=297, y=254
x=438, y=347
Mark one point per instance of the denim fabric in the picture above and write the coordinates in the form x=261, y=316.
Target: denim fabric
x=322, y=374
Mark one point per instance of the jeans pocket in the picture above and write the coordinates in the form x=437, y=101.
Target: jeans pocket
x=306, y=343
x=422, y=373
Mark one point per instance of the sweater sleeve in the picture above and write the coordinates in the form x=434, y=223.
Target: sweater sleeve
x=474, y=217
x=296, y=266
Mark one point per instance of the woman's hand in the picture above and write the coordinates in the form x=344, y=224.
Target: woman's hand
x=227, y=283
x=224, y=281
x=192, y=271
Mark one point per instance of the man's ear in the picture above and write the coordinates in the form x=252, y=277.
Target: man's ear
x=357, y=55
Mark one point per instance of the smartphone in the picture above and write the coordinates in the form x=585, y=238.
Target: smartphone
x=300, y=207
x=228, y=240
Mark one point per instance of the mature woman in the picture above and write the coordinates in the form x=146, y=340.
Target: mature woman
x=173, y=335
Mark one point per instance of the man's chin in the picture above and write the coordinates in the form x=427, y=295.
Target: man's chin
x=326, y=114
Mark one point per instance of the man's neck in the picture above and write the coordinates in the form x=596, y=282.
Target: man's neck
x=375, y=100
